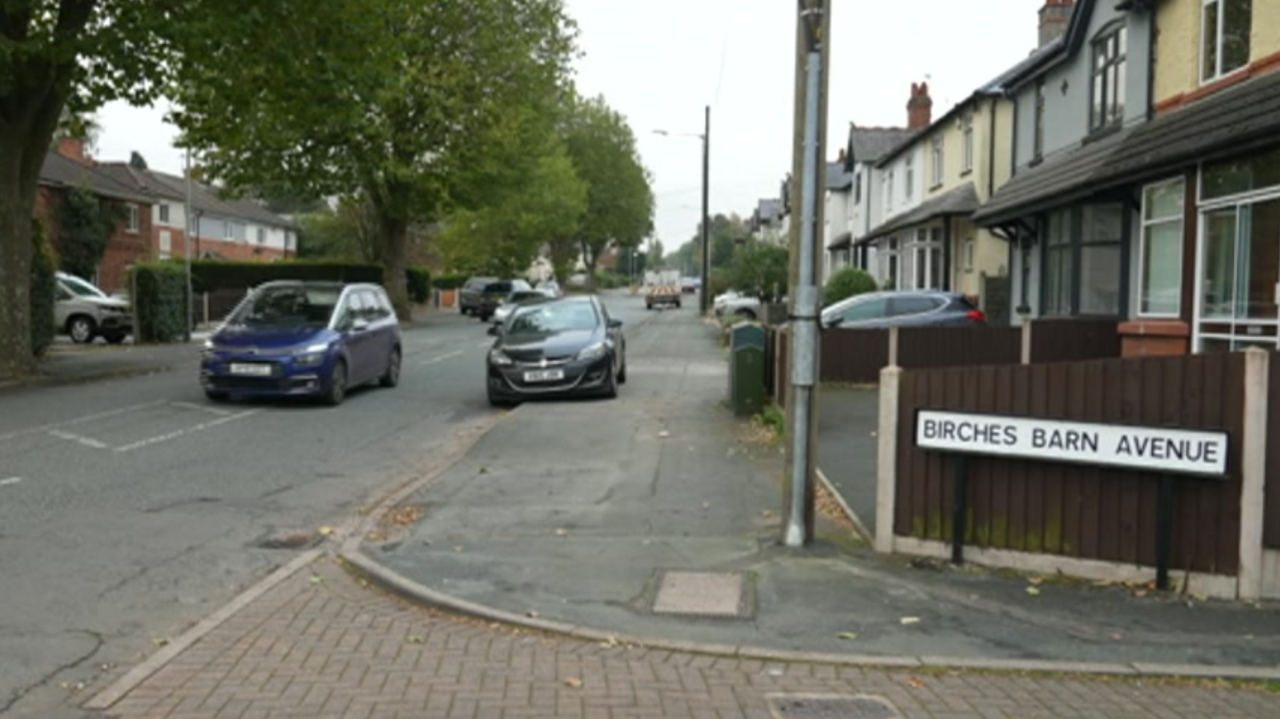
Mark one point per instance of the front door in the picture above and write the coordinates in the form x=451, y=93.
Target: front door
x=1240, y=277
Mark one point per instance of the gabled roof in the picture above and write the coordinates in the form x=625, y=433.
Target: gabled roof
x=769, y=210
x=962, y=200
x=60, y=171
x=205, y=199
x=838, y=177
x=1068, y=45
x=869, y=144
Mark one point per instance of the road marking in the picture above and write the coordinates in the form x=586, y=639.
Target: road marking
x=10, y=481
x=185, y=431
x=203, y=408
x=79, y=439
x=77, y=420
x=441, y=358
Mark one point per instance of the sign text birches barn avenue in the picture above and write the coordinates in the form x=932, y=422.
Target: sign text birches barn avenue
x=1152, y=449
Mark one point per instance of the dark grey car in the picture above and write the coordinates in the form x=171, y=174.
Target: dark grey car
x=472, y=294
x=906, y=308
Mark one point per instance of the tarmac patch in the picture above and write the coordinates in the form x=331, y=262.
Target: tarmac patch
x=704, y=594
x=832, y=707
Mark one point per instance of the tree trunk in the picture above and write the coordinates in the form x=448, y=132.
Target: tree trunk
x=589, y=259
x=17, y=206
x=394, y=232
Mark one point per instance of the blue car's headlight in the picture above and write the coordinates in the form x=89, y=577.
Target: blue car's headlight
x=595, y=351
x=311, y=356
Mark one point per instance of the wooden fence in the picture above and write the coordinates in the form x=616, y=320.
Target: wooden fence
x=1271, y=511
x=1073, y=510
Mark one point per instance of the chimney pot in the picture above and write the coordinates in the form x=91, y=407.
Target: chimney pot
x=72, y=148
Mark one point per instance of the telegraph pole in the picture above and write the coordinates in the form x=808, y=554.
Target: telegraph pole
x=813, y=52
x=186, y=250
x=704, y=297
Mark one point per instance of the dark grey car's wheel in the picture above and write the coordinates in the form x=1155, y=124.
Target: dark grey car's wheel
x=216, y=396
x=622, y=373
x=392, y=376
x=82, y=329
x=337, y=389
x=610, y=388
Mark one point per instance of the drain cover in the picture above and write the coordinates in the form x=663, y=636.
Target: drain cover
x=714, y=594
x=835, y=707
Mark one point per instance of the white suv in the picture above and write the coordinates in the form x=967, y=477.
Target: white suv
x=85, y=312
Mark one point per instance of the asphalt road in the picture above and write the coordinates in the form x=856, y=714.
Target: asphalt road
x=131, y=509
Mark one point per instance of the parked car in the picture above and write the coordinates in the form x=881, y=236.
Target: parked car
x=690, y=285
x=551, y=287
x=84, y=312
x=565, y=346
x=905, y=308
x=733, y=304
x=516, y=299
x=471, y=294
x=494, y=294
x=296, y=338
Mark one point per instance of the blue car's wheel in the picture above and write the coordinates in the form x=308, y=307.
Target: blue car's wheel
x=337, y=389
x=392, y=376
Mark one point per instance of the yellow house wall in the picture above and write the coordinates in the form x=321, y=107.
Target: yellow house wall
x=1178, y=48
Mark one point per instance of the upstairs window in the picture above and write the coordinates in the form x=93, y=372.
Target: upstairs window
x=938, y=159
x=857, y=188
x=1108, y=78
x=911, y=176
x=164, y=214
x=1038, y=148
x=1224, y=37
x=967, y=164
x=132, y=219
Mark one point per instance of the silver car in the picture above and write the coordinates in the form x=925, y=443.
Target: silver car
x=85, y=312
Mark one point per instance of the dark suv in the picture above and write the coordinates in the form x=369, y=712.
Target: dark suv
x=471, y=294
x=906, y=308
x=496, y=293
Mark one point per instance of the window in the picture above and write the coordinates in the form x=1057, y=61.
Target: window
x=899, y=306
x=968, y=255
x=1108, y=83
x=164, y=214
x=1058, y=263
x=888, y=193
x=262, y=236
x=1224, y=36
x=967, y=165
x=1257, y=171
x=938, y=159
x=911, y=175
x=166, y=245
x=891, y=265
x=133, y=220
x=1160, y=273
x=228, y=231
x=1038, y=147
x=857, y=188
x=871, y=309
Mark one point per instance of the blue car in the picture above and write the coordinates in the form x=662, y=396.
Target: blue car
x=297, y=338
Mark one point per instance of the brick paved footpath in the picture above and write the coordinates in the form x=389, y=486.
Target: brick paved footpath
x=321, y=646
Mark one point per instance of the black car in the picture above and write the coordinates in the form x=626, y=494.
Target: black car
x=564, y=346
x=472, y=293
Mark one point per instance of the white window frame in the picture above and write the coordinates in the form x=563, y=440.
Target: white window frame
x=262, y=236
x=1218, y=73
x=1142, y=248
x=909, y=164
x=969, y=252
x=165, y=238
x=888, y=194
x=939, y=160
x=133, y=219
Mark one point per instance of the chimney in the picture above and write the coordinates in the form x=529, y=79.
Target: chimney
x=919, y=107
x=1054, y=17
x=843, y=156
x=72, y=148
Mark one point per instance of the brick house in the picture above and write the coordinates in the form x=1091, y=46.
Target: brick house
x=66, y=169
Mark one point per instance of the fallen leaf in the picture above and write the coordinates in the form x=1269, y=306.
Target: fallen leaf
x=874, y=433
x=1033, y=591
x=767, y=514
x=531, y=614
x=1117, y=636
x=457, y=549
x=1036, y=581
x=160, y=642
x=326, y=531
x=914, y=682
x=316, y=579
x=415, y=639
x=706, y=505
x=847, y=635
x=1140, y=593
x=560, y=532
x=907, y=621
x=664, y=434
x=573, y=682
x=484, y=470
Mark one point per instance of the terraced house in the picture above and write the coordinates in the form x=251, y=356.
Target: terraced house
x=1146, y=184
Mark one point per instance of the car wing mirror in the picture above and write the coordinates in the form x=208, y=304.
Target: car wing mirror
x=495, y=329
x=359, y=325
x=615, y=324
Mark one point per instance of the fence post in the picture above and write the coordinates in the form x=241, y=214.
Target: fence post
x=1026, y=340
x=887, y=455
x=893, y=346
x=1253, y=472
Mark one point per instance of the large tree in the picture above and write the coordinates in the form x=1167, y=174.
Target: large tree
x=619, y=196
x=389, y=98
x=59, y=58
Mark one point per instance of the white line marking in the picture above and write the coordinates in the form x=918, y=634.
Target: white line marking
x=10, y=481
x=79, y=439
x=77, y=420
x=203, y=408
x=441, y=358
x=188, y=430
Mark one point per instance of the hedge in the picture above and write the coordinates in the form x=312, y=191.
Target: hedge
x=44, y=291
x=450, y=281
x=847, y=282
x=210, y=275
x=159, y=301
x=419, y=280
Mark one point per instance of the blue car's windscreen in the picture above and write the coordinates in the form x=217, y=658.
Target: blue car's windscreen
x=287, y=307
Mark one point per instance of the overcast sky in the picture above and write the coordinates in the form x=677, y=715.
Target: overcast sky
x=660, y=62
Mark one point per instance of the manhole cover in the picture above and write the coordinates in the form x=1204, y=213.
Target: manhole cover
x=858, y=707
x=716, y=594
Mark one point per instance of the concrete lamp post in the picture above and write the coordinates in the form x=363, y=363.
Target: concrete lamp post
x=705, y=136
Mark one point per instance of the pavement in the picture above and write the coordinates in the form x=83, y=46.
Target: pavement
x=619, y=559
x=848, y=419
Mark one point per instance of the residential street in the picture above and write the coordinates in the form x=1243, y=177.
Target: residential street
x=131, y=509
